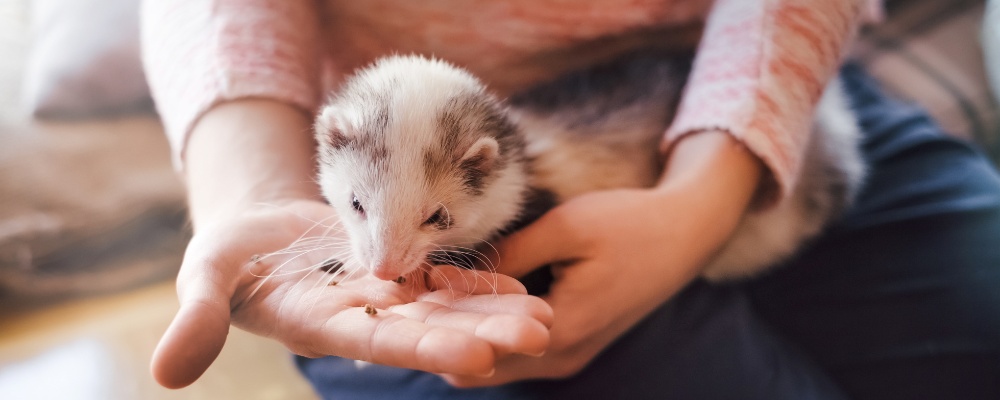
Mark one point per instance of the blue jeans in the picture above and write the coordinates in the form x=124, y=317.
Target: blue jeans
x=900, y=298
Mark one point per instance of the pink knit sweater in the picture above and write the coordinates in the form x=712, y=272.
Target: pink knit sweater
x=759, y=71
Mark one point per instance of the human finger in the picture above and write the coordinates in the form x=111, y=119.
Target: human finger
x=197, y=333
x=586, y=325
x=471, y=282
x=507, y=333
x=514, y=304
x=384, y=337
x=555, y=237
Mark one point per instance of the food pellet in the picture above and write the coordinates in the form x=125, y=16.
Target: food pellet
x=331, y=266
x=370, y=309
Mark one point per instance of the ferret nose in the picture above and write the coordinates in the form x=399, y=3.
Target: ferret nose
x=385, y=271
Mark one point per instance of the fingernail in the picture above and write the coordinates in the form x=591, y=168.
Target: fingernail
x=488, y=374
x=539, y=354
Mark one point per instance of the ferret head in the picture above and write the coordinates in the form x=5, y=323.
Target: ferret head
x=416, y=156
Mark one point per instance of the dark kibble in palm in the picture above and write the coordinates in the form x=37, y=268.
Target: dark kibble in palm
x=332, y=266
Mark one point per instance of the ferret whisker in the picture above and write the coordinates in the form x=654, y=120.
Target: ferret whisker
x=310, y=248
x=303, y=241
x=432, y=270
x=320, y=282
x=306, y=249
x=466, y=253
x=335, y=228
x=325, y=237
x=351, y=273
x=464, y=256
x=482, y=257
x=275, y=271
x=322, y=237
x=495, y=251
x=265, y=279
x=301, y=246
x=315, y=223
x=446, y=210
x=328, y=279
x=478, y=255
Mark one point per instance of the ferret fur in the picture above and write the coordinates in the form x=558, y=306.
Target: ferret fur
x=409, y=136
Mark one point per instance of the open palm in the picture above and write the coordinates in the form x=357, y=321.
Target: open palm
x=260, y=271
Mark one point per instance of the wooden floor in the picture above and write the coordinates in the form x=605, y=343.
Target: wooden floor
x=99, y=349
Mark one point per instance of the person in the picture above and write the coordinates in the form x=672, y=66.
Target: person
x=897, y=300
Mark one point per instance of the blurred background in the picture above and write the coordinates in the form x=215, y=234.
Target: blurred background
x=92, y=216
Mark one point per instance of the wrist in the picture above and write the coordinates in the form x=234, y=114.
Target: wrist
x=245, y=152
x=715, y=170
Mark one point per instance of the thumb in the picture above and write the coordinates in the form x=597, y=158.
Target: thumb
x=196, y=335
x=552, y=238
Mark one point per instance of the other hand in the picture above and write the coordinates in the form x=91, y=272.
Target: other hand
x=618, y=255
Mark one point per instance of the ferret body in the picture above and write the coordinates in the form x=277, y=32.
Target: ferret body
x=417, y=158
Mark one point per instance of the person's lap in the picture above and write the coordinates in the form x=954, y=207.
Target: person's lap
x=900, y=299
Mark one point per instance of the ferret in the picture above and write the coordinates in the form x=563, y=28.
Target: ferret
x=417, y=157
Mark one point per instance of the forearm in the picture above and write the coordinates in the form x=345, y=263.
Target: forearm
x=716, y=165
x=759, y=72
x=199, y=54
x=714, y=179
x=245, y=152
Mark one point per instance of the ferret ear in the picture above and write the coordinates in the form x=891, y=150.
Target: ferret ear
x=479, y=160
x=482, y=154
x=329, y=130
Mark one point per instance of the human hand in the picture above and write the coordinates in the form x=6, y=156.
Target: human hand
x=453, y=321
x=613, y=264
x=618, y=255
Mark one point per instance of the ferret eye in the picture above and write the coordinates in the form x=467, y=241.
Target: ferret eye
x=357, y=205
x=437, y=219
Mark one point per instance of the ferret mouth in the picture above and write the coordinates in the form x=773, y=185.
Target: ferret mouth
x=452, y=257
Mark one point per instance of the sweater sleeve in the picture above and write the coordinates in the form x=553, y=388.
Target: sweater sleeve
x=199, y=53
x=759, y=72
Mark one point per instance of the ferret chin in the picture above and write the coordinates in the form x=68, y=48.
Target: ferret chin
x=419, y=160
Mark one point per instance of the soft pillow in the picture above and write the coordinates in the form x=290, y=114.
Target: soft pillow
x=928, y=52
x=991, y=44
x=87, y=207
x=84, y=59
